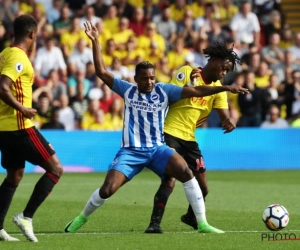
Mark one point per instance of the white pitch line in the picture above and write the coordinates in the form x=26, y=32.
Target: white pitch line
x=183, y=232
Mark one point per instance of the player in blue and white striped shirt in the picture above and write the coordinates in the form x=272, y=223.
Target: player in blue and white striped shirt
x=146, y=105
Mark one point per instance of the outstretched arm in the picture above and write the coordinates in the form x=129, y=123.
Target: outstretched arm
x=201, y=91
x=7, y=97
x=101, y=71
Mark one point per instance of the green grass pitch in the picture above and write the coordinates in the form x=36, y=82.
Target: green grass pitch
x=235, y=204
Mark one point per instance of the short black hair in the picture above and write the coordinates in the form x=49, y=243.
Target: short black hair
x=23, y=25
x=220, y=51
x=143, y=65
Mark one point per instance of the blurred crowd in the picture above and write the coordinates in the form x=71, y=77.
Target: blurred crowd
x=68, y=95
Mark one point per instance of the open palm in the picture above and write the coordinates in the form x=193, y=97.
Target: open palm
x=91, y=31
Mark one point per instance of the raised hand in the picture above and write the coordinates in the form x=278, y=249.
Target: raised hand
x=91, y=31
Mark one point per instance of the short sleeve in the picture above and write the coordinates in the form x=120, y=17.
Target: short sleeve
x=121, y=86
x=173, y=92
x=182, y=76
x=13, y=67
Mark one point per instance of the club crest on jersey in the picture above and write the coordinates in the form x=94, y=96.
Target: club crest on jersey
x=19, y=67
x=180, y=76
x=114, y=162
x=154, y=97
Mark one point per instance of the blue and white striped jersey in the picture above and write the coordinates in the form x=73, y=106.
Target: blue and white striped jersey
x=144, y=114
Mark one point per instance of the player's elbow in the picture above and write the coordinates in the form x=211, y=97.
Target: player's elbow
x=3, y=91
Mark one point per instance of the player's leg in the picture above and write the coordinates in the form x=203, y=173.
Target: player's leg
x=7, y=191
x=177, y=167
x=160, y=201
x=195, y=162
x=189, y=218
x=12, y=160
x=113, y=181
x=39, y=152
x=120, y=172
x=165, y=189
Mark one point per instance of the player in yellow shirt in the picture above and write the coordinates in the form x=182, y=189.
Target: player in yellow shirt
x=20, y=141
x=185, y=116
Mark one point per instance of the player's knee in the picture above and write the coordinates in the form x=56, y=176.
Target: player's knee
x=58, y=169
x=185, y=174
x=56, y=166
x=169, y=183
x=15, y=177
x=107, y=190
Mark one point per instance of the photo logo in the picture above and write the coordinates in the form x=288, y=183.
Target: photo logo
x=279, y=236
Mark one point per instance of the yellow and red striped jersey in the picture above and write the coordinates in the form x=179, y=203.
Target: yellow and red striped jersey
x=15, y=64
x=186, y=115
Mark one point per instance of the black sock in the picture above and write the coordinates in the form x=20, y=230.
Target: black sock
x=160, y=200
x=41, y=190
x=190, y=212
x=7, y=191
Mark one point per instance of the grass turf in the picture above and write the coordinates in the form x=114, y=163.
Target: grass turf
x=235, y=204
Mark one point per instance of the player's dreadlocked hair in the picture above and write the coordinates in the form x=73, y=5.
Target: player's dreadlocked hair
x=220, y=50
x=143, y=65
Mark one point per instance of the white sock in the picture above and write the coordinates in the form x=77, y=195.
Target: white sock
x=195, y=198
x=93, y=203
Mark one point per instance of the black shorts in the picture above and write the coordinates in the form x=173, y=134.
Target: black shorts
x=189, y=150
x=23, y=145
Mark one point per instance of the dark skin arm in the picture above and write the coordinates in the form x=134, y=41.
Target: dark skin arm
x=228, y=123
x=7, y=97
x=101, y=71
x=201, y=91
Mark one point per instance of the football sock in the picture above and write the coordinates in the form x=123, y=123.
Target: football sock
x=160, y=200
x=195, y=199
x=41, y=190
x=93, y=203
x=7, y=191
x=190, y=211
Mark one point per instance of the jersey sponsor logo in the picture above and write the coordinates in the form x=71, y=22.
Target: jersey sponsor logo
x=145, y=106
x=154, y=97
x=180, y=76
x=199, y=100
x=19, y=67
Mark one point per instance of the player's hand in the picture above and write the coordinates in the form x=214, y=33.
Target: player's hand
x=238, y=90
x=29, y=112
x=194, y=76
x=195, y=73
x=228, y=125
x=91, y=31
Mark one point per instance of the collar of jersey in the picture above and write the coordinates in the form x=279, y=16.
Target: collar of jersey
x=206, y=83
